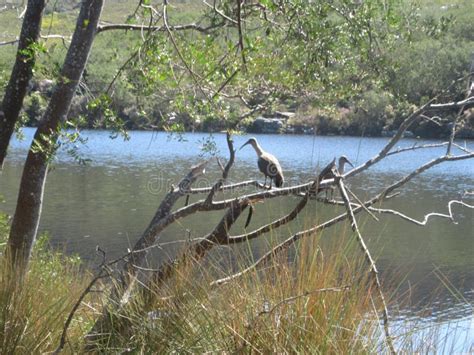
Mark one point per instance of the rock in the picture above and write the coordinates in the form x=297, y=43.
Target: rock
x=406, y=134
x=267, y=125
x=44, y=86
x=285, y=115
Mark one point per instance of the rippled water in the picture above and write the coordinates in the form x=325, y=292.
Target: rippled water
x=110, y=201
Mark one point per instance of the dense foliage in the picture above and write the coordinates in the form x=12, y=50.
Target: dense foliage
x=342, y=67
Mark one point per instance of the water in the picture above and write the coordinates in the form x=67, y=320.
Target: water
x=111, y=201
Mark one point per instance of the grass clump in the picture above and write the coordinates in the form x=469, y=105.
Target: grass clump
x=315, y=298
x=32, y=315
x=319, y=302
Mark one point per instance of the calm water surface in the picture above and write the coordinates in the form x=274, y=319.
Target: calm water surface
x=110, y=201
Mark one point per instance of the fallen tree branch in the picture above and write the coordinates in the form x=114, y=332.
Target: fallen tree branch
x=372, y=267
x=223, y=188
x=220, y=235
x=148, y=238
x=270, y=226
x=464, y=149
x=361, y=204
x=195, y=252
x=461, y=109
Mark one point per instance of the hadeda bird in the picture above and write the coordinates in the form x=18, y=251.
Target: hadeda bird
x=343, y=160
x=267, y=164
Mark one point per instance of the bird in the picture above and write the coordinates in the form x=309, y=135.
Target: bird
x=343, y=160
x=267, y=164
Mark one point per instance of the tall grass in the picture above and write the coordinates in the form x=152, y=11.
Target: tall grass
x=316, y=298
x=32, y=314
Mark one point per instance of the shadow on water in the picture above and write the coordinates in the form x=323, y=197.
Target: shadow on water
x=110, y=201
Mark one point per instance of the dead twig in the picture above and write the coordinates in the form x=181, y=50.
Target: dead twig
x=241, y=36
x=178, y=51
x=70, y=317
x=461, y=109
x=103, y=272
x=304, y=294
x=220, y=13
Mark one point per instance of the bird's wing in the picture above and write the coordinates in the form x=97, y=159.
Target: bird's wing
x=263, y=165
x=272, y=165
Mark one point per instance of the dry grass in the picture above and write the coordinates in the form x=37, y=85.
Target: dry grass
x=32, y=315
x=315, y=299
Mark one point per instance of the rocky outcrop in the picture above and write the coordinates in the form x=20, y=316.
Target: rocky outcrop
x=267, y=125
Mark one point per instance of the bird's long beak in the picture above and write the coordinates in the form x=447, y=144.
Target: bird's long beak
x=348, y=162
x=243, y=145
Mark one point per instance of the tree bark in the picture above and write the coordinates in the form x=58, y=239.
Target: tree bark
x=21, y=74
x=28, y=208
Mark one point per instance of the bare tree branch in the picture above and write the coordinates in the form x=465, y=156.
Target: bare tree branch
x=220, y=13
x=464, y=149
x=102, y=274
x=416, y=147
x=148, y=238
x=384, y=194
x=373, y=268
x=241, y=36
x=231, y=187
x=64, y=39
x=129, y=27
x=453, y=105
x=270, y=226
x=219, y=236
x=425, y=220
x=361, y=204
x=391, y=143
x=461, y=109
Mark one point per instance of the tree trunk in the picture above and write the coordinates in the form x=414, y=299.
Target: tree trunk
x=28, y=208
x=21, y=74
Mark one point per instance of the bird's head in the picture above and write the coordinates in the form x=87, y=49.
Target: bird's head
x=344, y=160
x=252, y=141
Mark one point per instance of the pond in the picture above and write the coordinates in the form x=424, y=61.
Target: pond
x=110, y=201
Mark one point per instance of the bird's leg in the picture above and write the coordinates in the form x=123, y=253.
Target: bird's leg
x=271, y=180
x=265, y=183
x=329, y=193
